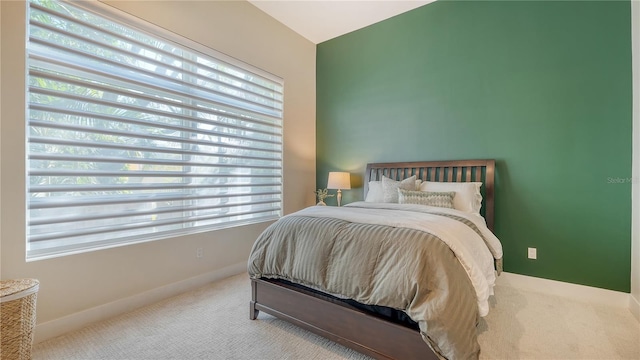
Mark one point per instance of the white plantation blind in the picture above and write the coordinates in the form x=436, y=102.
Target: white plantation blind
x=134, y=136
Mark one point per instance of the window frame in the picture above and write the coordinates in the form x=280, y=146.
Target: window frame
x=117, y=16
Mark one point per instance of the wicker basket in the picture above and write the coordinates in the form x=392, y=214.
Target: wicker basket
x=17, y=318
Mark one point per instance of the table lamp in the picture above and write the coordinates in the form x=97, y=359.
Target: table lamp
x=339, y=180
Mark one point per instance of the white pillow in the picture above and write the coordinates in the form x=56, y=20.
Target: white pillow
x=375, y=193
x=390, y=188
x=467, y=199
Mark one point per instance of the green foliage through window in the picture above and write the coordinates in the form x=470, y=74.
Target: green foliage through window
x=133, y=137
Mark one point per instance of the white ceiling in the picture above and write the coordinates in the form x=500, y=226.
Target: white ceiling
x=321, y=20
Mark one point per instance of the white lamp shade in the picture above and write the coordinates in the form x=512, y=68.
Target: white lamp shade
x=339, y=180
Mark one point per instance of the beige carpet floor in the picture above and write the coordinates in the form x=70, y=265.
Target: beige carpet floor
x=213, y=323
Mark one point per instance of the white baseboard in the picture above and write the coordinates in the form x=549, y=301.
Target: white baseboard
x=634, y=306
x=564, y=289
x=76, y=321
x=57, y=327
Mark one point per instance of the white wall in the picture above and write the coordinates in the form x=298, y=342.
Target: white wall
x=635, y=213
x=72, y=284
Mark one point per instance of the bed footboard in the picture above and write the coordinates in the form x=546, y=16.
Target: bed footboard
x=347, y=326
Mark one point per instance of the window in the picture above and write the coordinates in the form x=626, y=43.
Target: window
x=136, y=134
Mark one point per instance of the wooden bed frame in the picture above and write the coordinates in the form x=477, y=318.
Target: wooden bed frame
x=351, y=327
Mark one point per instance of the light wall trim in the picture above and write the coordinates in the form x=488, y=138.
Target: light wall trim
x=634, y=302
x=634, y=307
x=60, y=326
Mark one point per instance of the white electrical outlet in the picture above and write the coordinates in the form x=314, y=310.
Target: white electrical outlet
x=532, y=253
x=199, y=252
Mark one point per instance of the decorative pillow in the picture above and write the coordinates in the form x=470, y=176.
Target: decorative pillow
x=439, y=199
x=468, y=197
x=375, y=194
x=390, y=188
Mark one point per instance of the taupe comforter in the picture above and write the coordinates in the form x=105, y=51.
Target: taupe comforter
x=400, y=267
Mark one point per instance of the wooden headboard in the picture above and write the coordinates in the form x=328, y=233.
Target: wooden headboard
x=443, y=171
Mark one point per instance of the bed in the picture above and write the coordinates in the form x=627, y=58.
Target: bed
x=336, y=305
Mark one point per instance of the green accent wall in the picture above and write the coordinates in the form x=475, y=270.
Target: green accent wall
x=542, y=87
